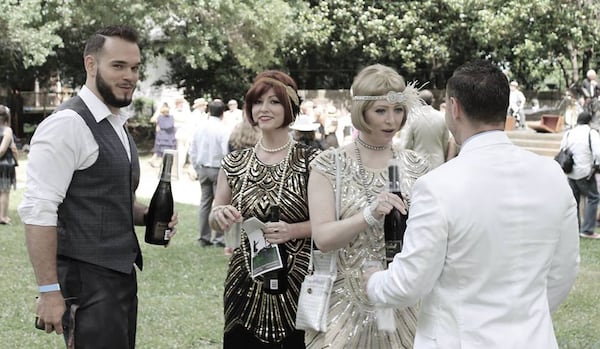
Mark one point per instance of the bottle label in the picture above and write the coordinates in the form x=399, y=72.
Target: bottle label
x=391, y=248
x=274, y=284
x=162, y=229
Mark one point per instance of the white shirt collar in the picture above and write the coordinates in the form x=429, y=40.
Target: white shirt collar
x=98, y=108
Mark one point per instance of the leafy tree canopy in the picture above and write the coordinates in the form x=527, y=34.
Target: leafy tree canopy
x=216, y=46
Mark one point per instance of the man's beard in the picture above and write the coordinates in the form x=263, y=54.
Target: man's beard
x=107, y=94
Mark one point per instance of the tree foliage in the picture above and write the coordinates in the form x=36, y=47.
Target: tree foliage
x=216, y=46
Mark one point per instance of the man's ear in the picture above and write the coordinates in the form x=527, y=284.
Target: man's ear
x=90, y=65
x=456, y=108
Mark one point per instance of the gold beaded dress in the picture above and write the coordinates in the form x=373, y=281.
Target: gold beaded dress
x=351, y=321
x=270, y=318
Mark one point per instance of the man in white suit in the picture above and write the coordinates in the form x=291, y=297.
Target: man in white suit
x=490, y=257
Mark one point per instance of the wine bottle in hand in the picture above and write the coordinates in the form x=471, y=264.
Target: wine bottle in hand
x=275, y=281
x=395, y=222
x=160, y=210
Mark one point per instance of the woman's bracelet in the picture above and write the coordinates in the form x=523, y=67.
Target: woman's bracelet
x=368, y=216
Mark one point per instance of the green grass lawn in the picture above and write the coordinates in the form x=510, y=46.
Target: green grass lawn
x=181, y=287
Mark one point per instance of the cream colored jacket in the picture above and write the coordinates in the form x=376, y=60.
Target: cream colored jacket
x=491, y=249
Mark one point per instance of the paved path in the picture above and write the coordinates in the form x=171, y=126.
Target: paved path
x=184, y=189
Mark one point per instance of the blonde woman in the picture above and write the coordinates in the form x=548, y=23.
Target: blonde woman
x=381, y=102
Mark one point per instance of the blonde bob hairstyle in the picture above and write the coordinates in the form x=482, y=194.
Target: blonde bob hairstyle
x=378, y=80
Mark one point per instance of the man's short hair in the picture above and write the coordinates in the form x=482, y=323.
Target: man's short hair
x=96, y=41
x=216, y=107
x=584, y=118
x=482, y=89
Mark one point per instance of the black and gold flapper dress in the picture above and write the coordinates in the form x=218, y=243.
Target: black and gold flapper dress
x=269, y=317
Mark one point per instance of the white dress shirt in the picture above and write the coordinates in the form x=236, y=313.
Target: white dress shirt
x=62, y=144
x=579, y=139
x=210, y=143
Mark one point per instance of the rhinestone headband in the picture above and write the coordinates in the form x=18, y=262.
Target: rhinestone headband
x=409, y=97
x=392, y=97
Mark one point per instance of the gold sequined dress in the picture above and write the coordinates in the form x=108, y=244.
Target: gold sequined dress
x=269, y=317
x=351, y=317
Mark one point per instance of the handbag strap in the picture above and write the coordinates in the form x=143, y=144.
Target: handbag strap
x=337, y=206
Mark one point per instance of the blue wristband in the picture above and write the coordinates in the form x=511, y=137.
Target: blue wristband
x=49, y=288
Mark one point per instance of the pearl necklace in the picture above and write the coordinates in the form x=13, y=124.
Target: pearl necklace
x=286, y=162
x=363, y=173
x=274, y=150
x=369, y=146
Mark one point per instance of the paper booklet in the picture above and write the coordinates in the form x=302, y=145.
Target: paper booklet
x=264, y=256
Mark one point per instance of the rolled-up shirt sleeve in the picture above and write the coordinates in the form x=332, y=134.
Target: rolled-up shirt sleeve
x=62, y=144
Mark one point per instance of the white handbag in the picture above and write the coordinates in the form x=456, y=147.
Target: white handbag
x=313, y=302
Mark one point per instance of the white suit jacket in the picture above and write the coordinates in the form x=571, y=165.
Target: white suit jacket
x=492, y=247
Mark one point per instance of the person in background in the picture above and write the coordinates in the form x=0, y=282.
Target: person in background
x=251, y=181
x=591, y=92
x=233, y=115
x=572, y=110
x=584, y=143
x=209, y=146
x=304, y=131
x=80, y=208
x=165, y=135
x=381, y=102
x=244, y=135
x=489, y=258
x=426, y=132
x=589, y=86
x=329, y=125
x=184, y=129
x=516, y=104
x=8, y=161
x=344, y=128
x=307, y=108
x=199, y=113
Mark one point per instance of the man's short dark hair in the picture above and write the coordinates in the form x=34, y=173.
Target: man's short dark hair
x=482, y=89
x=96, y=41
x=216, y=108
x=584, y=118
